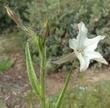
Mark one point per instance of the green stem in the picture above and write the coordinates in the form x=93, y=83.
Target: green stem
x=42, y=77
x=58, y=104
x=42, y=80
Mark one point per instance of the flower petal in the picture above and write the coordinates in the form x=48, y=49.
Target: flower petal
x=82, y=35
x=96, y=56
x=73, y=43
x=91, y=44
x=84, y=62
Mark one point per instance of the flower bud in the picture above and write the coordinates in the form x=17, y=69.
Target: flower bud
x=46, y=27
x=13, y=16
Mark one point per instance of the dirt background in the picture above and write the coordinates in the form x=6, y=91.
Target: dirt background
x=14, y=83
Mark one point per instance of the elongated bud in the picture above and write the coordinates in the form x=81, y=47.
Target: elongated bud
x=13, y=16
x=66, y=58
x=46, y=27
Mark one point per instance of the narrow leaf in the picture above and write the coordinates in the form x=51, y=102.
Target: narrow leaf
x=31, y=73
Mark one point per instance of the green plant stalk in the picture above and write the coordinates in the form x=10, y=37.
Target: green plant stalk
x=58, y=104
x=42, y=82
x=40, y=44
x=42, y=55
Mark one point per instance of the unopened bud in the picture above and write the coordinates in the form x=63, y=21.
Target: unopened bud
x=13, y=16
x=46, y=27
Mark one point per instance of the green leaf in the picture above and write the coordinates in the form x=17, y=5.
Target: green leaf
x=31, y=73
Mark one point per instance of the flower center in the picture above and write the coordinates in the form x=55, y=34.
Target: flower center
x=80, y=50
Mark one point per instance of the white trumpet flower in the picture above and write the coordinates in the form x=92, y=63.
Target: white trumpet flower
x=84, y=48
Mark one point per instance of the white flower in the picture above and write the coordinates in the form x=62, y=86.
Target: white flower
x=84, y=48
